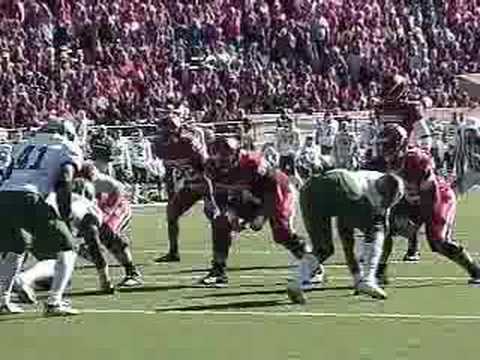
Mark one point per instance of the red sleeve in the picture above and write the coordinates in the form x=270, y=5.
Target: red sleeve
x=255, y=162
x=419, y=166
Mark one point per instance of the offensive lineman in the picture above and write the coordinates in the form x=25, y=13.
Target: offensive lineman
x=247, y=175
x=36, y=200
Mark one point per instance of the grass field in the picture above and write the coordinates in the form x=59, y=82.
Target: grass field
x=431, y=312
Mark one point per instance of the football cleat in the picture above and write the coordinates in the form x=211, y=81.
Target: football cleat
x=216, y=277
x=318, y=275
x=85, y=253
x=62, y=309
x=382, y=275
x=26, y=294
x=10, y=308
x=131, y=281
x=295, y=293
x=371, y=290
x=412, y=257
x=107, y=288
x=169, y=257
x=357, y=279
x=475, y=281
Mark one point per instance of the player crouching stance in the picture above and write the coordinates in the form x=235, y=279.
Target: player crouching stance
x=246, y=174
x=114, y=232
x=429, y=200
x=360, y=200
x=88, y=222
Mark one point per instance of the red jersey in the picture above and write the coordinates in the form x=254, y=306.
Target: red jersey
x=404, y=113
x=417, y=168
x=186, y=153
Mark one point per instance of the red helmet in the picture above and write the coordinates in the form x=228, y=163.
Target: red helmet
x=416, y=165
x=225, y=152
x=395, y=88
x=88, y=171
x=392, y=140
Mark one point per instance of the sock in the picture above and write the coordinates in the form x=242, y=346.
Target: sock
x=103, y=276
x=40, y=271
x=372, y=252
x=63, y=272
x=10, y=268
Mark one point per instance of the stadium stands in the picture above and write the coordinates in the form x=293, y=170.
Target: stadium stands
x=121, y=60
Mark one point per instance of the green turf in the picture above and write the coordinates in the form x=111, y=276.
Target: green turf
x=252, y=319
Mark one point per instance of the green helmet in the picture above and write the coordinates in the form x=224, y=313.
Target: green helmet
x=84, y=188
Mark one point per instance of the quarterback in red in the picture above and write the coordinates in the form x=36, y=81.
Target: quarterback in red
x=429, y=199
x=183, y=151
x=246, y=175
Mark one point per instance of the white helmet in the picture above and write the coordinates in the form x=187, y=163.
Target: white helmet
x=57, y=130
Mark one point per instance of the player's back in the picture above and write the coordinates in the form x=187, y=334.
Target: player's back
x=36, y=166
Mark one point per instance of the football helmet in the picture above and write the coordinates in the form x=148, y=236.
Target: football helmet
x=88, y=171
x=84, y=188
x=395, y=88
x=57, y=129
x=226, y=151
x=392, y=141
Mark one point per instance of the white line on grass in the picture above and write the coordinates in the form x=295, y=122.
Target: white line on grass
x=282, y=274
x=398, y=316
x=332, y=315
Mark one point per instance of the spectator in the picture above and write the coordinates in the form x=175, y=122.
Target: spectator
x=119, y=60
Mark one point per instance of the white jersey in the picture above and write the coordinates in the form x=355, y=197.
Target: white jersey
x=326, y=132
x=345, y=151
x=6, y=151
x=271, y=155
x=81, y=207
x=288, y=142
x=365, y=181
x=140, y=153
x=421, y=135
x=106, y=184
x=37, y=166
x=120, y=154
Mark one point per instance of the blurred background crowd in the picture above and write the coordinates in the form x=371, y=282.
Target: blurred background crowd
x=120, y=61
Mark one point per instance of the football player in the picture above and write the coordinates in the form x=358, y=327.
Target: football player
x=6, y=151
x=115, y=230
x=360, y=200
x=140, y=150
x=429, y=199
x=36, y=201
x=121, y=162
x=467, y=161
x=271, y=154
x=309, y=161
x=184, y=150
x=326, y=130
x=345, y=149
x=288, y=144
x=246, y=174
x=89, y=223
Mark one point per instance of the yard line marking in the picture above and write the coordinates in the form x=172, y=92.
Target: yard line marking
x=281, y=274
x=118, y=311
x=399, y=316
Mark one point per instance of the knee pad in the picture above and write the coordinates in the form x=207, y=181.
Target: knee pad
x=112, y=241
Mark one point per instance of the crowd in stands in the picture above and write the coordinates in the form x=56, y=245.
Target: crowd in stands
x=117, y=61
